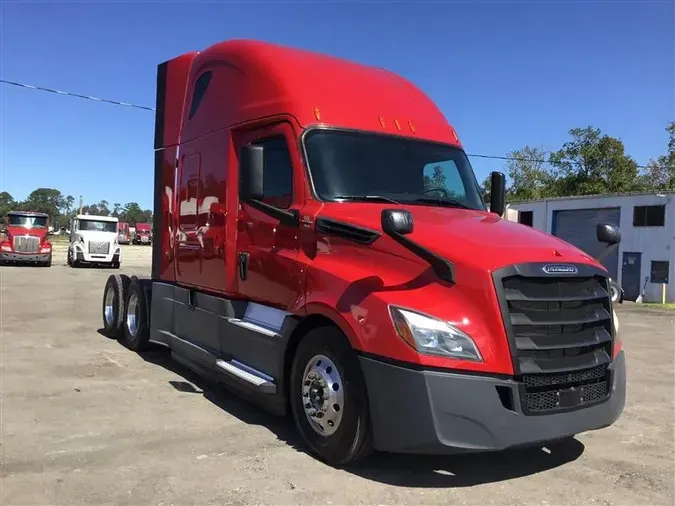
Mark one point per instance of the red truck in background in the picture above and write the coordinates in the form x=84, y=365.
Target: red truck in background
x=123, y=233
x=143, y=233
x=26, y=239
x=347, y=271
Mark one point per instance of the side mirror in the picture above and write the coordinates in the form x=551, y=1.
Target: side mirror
x=608, y=233
x=497, y=193
x=251, y=162
x=396, y=221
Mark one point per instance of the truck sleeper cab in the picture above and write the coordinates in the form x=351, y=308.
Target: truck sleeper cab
x=26, y=239
x=322, y=248
x=94, y=240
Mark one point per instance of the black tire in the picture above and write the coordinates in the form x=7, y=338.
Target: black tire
x=118, y=285
x=138, y=337
x=352, y=441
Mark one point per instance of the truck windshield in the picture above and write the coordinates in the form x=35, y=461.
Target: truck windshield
x=97, y=226
x=27, y=221
x=360, y=166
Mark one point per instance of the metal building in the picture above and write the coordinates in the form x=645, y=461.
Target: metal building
x=645, y=259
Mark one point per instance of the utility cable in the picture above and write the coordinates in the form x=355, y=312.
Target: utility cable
x=136, y=106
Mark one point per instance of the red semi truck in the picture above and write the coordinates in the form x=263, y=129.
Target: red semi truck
x=143, y=233
x=347, y=271
x=123, y=233
x=26, y=239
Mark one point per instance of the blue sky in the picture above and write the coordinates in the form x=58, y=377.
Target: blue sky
x=505, y=74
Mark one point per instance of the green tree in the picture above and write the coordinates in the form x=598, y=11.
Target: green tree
x=593, y=163
x=133, y=213
x=69, y=203
x=530, y=177
x=7, y=203
x=660, y=173
x=45, y=200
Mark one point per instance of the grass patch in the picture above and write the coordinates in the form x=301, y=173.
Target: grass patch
x=670, y=306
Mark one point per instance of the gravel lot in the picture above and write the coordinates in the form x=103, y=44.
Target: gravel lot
x=85, y=421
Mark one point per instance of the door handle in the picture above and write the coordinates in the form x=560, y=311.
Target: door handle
x=243, y=264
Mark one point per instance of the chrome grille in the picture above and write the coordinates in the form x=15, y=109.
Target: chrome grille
x=560, y=333
x=26, y=244
x=99, y=248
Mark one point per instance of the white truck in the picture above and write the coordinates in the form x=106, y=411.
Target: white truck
x=94, y=239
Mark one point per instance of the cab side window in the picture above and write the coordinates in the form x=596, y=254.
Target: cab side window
x=277, y=172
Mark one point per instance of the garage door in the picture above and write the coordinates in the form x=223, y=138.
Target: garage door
x=577, y=226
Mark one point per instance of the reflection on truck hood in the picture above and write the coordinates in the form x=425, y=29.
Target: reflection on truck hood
x=35, y=232
x=99, y=235
x=475, y=238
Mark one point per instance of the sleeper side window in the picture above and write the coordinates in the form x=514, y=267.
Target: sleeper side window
x=201, y=85
x=277, y=172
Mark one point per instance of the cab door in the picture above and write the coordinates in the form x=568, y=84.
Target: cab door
x=267, y=250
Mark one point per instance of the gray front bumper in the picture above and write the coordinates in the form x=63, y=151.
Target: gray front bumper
x=431, y=412
x=24, y=257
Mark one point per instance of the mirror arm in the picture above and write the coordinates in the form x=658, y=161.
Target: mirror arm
x=290, y=217
x=603, y=254
x=442, y=268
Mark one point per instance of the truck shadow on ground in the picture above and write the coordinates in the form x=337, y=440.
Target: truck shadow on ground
x=391, y=469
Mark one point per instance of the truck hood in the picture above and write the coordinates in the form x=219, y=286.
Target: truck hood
x=34, y=232
x=476, y=238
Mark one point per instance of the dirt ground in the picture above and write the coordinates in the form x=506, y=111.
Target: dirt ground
x=85, y=421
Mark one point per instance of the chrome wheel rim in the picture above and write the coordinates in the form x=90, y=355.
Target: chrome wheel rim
x=614, y=293
x=322, y=395
x=109, y=307
x=132, y=315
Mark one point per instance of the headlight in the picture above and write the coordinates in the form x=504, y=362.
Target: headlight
x=432, y=336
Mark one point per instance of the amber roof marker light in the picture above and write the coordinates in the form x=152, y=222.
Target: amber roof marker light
x=317, y=113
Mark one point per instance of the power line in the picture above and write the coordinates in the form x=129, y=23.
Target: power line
x=77, y=95
x=127, y=104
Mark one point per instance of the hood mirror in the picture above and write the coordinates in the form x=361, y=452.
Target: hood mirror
x=608, y=233
x=397, y=221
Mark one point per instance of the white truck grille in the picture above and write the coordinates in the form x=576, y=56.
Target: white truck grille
x=99, y=248
x=26, y=244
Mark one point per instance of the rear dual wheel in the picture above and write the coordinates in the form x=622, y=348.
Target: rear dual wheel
x=328, y=398
x=114, y=296
x=125, y=311
x=136, y=332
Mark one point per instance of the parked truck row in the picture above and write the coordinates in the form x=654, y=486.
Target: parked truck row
x=306, y=255
x=92, y=239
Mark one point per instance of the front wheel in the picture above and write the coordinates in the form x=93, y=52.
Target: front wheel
x=328, y=398
x=614, y=291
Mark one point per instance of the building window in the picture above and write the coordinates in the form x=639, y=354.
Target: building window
x=649, y=216
x=659, y=271
x=526, y=218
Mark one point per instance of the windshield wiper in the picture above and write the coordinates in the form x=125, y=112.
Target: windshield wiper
x=444, y=202
x=373, y=198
